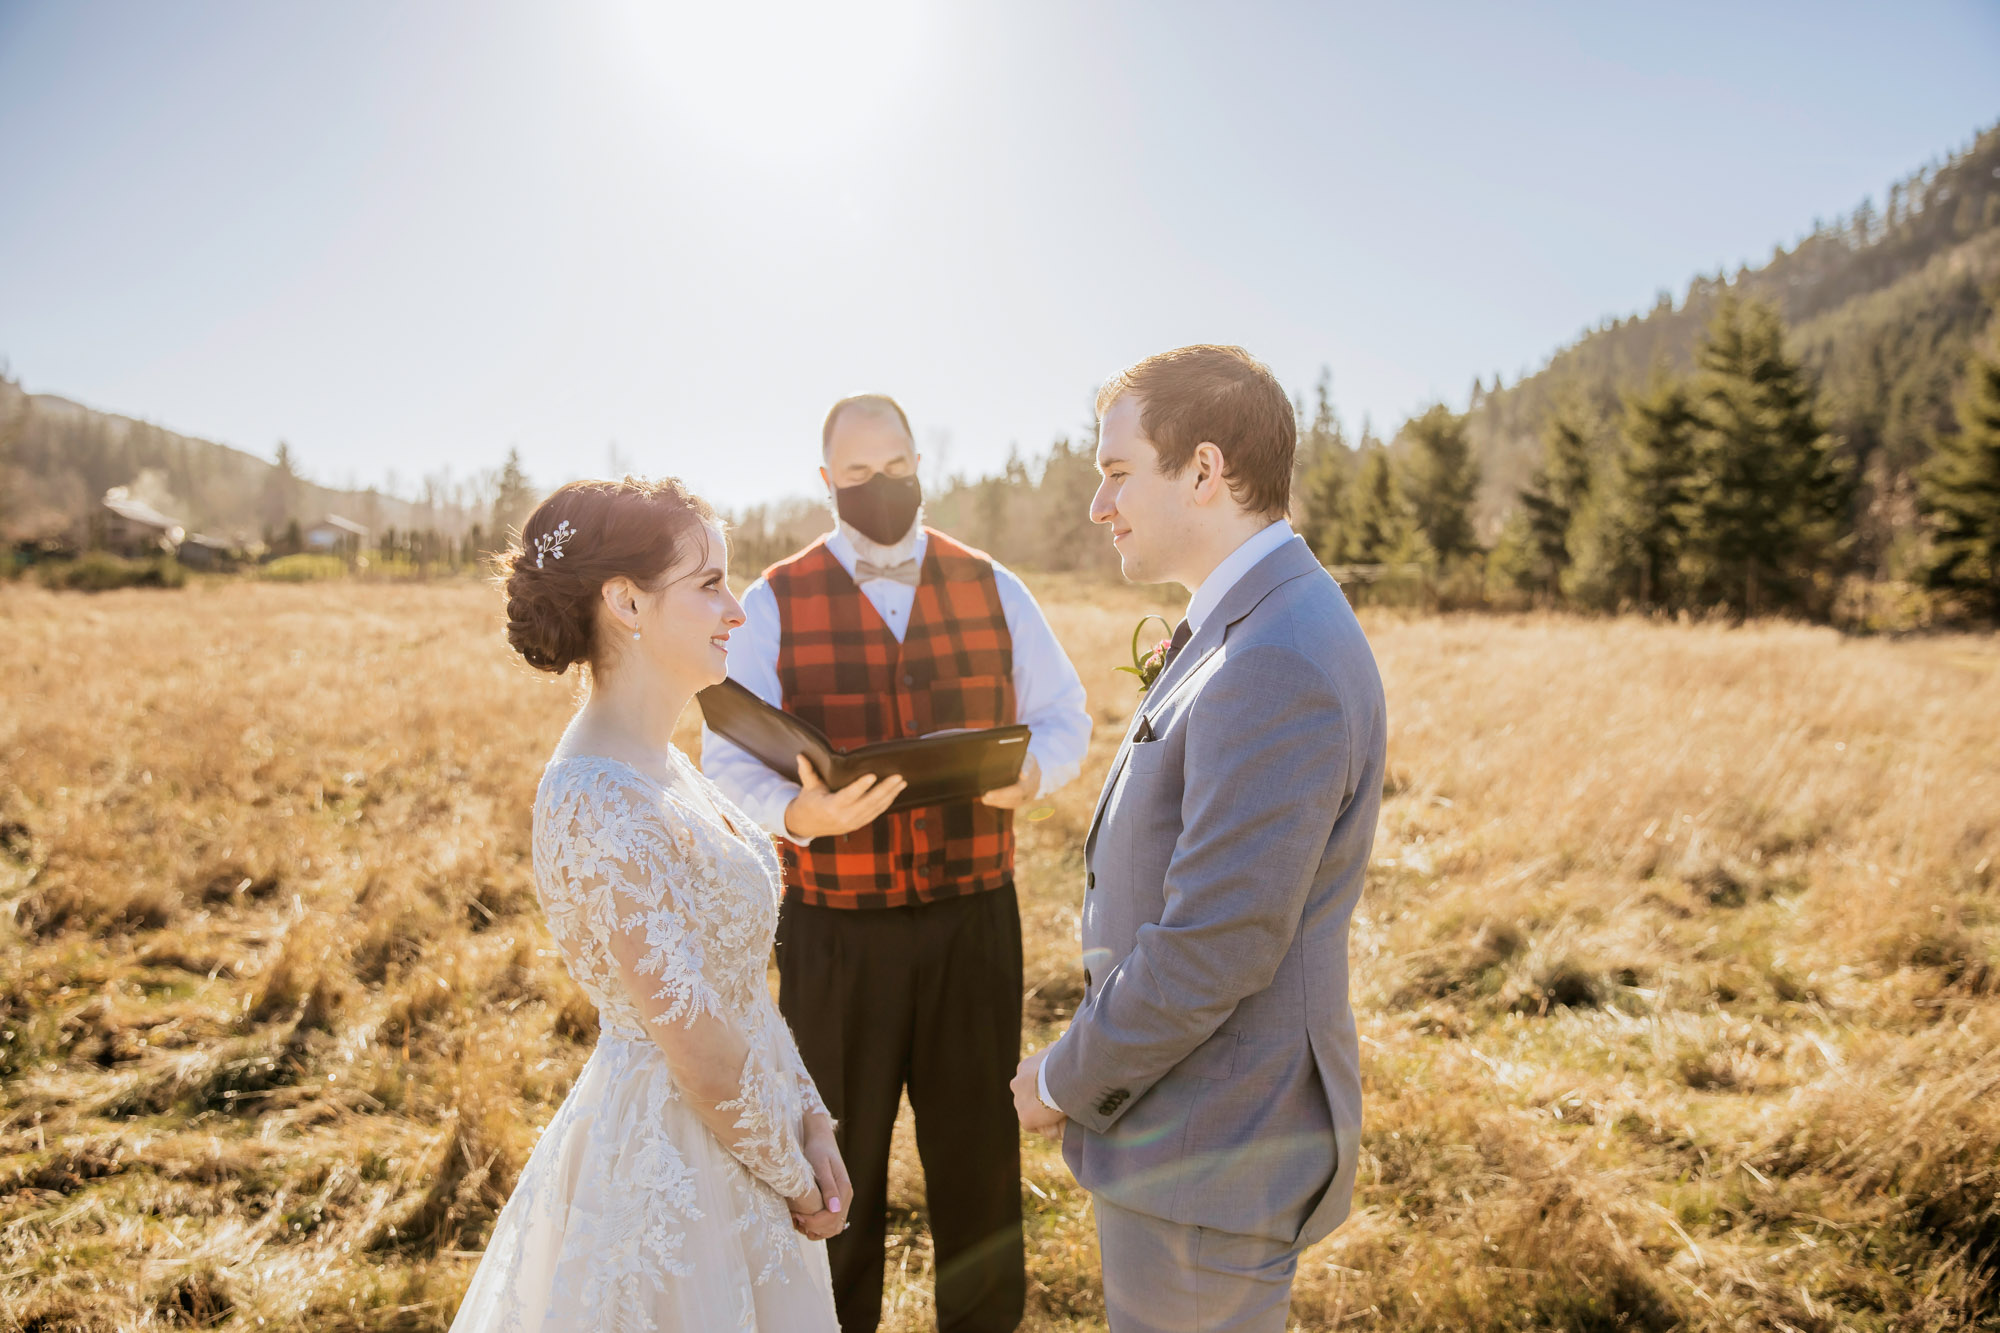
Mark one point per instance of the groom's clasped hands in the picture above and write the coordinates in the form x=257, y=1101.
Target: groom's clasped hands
x=1035, y=1113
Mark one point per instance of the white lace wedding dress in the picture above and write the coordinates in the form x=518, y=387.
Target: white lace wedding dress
x=635, y=1212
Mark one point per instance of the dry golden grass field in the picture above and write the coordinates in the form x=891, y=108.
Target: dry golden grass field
x=1678, y=974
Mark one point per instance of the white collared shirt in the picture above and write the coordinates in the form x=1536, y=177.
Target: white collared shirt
x=1200, y=607
x=1231, y=571
x=1048, y=696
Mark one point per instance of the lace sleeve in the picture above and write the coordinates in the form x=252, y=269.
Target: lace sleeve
x=630, y=868
x=808, y=1090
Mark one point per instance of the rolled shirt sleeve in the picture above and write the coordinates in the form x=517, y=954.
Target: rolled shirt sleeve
x=753, y=664
x=1048, y=695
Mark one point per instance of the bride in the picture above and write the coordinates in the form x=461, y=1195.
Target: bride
x=690, y=1178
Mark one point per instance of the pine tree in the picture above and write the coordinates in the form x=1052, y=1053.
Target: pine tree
x=1322, y=506
x=1770, y=491
x=1375, y=527
x=281, y=489
x=1555, y=494
x=1321, y=474
x=1439, y=479
x=1960, y=490
x=1069, y=540
x=513, y=498
x=1655, y=485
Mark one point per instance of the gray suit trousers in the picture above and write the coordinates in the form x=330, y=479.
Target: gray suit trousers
x=1163, y=1277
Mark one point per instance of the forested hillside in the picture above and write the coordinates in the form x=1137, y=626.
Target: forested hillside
x=1882, y=308
x=1818, y=436
x=57, y=459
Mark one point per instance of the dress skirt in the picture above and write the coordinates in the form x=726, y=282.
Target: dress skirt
x=630, y=1216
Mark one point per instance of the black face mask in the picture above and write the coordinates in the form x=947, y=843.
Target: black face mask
x=881, y=508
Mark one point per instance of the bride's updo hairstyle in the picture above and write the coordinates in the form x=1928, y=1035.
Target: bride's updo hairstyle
x=584, y=535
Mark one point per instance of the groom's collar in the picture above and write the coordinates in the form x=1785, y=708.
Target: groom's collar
x=1287, y=559
x=1215, y=589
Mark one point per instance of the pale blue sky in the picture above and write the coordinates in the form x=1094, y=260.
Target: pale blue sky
x=402, y=236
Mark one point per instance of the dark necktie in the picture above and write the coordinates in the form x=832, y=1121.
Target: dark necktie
x=1181, y=635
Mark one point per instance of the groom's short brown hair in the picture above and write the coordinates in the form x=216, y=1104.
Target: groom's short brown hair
x=1221, y=396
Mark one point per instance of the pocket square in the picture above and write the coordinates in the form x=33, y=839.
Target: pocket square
x=1145, y=731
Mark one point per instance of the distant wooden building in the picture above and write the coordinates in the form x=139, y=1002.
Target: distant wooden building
x=133, y=527
x=217, y=553
x=334, y=535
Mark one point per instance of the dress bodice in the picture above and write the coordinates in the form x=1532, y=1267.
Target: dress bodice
x=616, y=849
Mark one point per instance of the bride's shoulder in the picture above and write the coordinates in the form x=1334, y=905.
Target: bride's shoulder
x=567, y=778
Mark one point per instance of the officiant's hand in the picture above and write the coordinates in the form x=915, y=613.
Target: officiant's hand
x=819, y=813
x=1025, y=788
x=1028, y=1105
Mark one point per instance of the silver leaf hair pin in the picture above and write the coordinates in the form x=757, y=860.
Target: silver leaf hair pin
x=550, y=544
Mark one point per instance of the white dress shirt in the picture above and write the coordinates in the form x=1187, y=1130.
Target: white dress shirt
x=1048, y=696
x=1231, y=571
x=1200, y=607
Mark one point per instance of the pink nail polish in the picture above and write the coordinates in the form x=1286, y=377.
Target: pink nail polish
x=833, y=1205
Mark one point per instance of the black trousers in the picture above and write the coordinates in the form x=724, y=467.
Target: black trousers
x=928, y=998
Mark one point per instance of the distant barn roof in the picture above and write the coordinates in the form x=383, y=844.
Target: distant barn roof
x=346, y=525
x=121, y=503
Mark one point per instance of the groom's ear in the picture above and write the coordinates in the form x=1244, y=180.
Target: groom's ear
x=1207, y=467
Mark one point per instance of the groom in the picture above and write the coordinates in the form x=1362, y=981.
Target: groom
x=1211, y=1077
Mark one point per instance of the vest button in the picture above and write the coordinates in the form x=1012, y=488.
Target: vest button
x=1089, y=880
x=909, y=679
x=920, y=823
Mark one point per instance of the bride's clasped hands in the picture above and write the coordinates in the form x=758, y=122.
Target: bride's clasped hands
x=821, y=1211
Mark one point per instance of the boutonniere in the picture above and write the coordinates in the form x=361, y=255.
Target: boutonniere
x=1147, y=665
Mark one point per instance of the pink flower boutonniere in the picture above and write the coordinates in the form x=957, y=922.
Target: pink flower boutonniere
x=1147, y=665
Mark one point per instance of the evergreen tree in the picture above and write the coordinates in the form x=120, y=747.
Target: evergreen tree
x=1069, y=540
x=1439, y=479
x=1770, y=492
x=513, y=498
x=1320, y=476
x=1511, y=565
x=1554, y=495
x=281, y=489
x=1321, y=501
x=1654, y=486
x=1375, y=526
x=1322, y=432
x=1960, y=490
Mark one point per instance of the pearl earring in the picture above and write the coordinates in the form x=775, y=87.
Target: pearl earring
x=635, y=636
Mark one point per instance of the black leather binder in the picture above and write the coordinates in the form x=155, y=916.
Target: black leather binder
x=943, y=766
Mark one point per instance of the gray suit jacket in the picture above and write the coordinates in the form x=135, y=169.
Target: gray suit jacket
x=1212, y=1074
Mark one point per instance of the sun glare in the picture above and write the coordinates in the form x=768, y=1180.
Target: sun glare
x=768, y=78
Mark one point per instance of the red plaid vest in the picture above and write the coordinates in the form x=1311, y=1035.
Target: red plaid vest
x=842, y=670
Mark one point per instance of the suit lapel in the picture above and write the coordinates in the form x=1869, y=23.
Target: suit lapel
x=1281, y=566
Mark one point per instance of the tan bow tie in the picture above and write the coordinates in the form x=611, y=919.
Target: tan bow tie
x=906, y=572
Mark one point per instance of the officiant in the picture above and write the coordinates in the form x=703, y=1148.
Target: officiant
x=899, y=940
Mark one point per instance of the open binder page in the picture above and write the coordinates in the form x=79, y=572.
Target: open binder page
x=955, y=765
